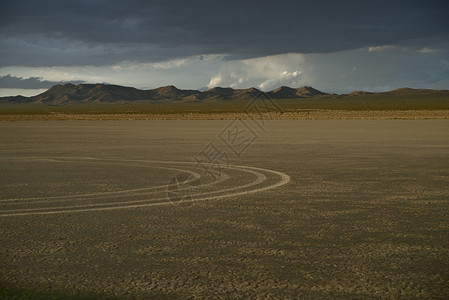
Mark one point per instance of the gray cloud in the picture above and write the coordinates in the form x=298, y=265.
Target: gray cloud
x=12, y=82
x=371, y=69
x=101, y=32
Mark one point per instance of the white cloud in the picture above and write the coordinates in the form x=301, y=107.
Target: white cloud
x=263, y=72
x=427, y=50
x=380, y=48
x=292, y=79
x=403, y=49
x=169, y=64
x=215, y=81
x=175, y=63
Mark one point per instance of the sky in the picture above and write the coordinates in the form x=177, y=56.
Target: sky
x=334, y=46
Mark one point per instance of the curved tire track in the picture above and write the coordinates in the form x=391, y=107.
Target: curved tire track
x=258, y=180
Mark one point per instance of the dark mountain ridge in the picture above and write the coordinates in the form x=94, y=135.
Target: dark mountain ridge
x=107, y=93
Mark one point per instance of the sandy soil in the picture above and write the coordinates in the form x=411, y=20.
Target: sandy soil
x=300, y=115
x=363, y=215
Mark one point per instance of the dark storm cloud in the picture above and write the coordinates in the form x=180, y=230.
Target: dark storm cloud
x=103, y=32
x=12, y=82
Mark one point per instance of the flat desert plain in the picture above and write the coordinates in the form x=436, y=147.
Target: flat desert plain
x=196, y=209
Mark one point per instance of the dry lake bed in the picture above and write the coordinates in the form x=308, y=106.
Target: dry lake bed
x=225, y=209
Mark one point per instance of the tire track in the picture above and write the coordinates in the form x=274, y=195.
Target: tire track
x=227, y=185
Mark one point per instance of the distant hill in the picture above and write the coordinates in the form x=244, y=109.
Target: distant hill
x=106, y=93
x=359, y=93
x=285, y=92
x=409, y=91
x=168, y=92
x=88, y=93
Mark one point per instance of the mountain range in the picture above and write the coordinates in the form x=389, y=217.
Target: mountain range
x=106, y=93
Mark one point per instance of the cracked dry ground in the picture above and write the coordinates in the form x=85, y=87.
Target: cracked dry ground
x=365, y=215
